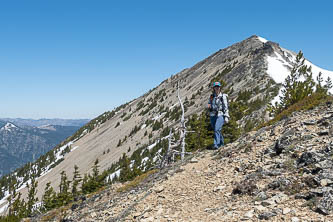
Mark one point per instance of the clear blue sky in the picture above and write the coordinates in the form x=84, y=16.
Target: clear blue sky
x=78, y=58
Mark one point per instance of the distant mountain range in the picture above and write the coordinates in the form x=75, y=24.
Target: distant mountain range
x=41, y=122
x=25, y=140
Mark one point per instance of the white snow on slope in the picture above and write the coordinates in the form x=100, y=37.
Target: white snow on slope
x=113, y=175
x=262, y=39
x=8, y=127
x=278, y=68
x=4, y=208
x=316, y=70
x=58, y=154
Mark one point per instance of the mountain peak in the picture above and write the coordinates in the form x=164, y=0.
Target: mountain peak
x=8, y=127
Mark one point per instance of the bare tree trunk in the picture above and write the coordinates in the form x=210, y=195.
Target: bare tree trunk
x=182, y=127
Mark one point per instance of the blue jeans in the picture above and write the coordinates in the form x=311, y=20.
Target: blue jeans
x=217, y=123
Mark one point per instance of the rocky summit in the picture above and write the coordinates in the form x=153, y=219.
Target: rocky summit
x=281, y=172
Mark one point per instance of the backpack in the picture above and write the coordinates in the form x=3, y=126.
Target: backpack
x=224, y=107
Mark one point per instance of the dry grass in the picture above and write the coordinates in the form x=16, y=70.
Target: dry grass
x=56, y=213
x=308, y=103
x=137, y=180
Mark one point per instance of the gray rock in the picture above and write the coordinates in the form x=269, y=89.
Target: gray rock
x=309, y=123
x=325, y=205
x=262, y=196
x=295, y=219
x=159, y=189
x=260, y=208
x=279, y=198
x=279, y=183
x=268, y=202
x=326, y=182
x=267, y=215
x=308, y=158
x=194, y=160
x=326, y=164
x=219, y=188
x=248, y=215
x=286, y=211
x=323, y=133
x=307, y=137
x=74, y=206
x=278, y=147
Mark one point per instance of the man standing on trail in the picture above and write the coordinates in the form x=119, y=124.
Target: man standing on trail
x=219, y=113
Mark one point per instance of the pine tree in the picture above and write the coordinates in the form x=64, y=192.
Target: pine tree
x=91, y=183
x=49, y=198
x=76, y=180
x=12, y=193
x=64, y=197
x=32, y=199
x=328, y=84
x=320, y=87
x=17, y=207
x=95, y=169
x=85, y=185
x=298, y=85
x=125, y=173
x=119, y=143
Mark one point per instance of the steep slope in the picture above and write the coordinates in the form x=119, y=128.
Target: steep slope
x=279, y=173
x=243, y=67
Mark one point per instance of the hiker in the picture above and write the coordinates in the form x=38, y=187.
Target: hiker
x=219, y=113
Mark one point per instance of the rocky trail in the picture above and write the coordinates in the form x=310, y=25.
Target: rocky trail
x=283, y=172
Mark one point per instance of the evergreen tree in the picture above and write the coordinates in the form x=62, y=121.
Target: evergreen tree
x=92, y=182
x=12, y=193
x=76, y=180
x=320, y=80
x=64, y=197
x=328, y=84
x=49, y=198
x=32, y=199
x=85, y=185
x=298, y=85
x=119, y=143
x=125, y=173
x=17, y=207
x=95, y=169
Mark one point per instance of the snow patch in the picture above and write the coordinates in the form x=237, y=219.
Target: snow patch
x=315, y=72
x=144, y=160
x=113, y=175
x=58, y=154
x=157, y=117
x=261, y=39
x=74, y=148
x=152, y=145
x=4, y=208
x=8, y=127
x=277, y=68
x=173, y=106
